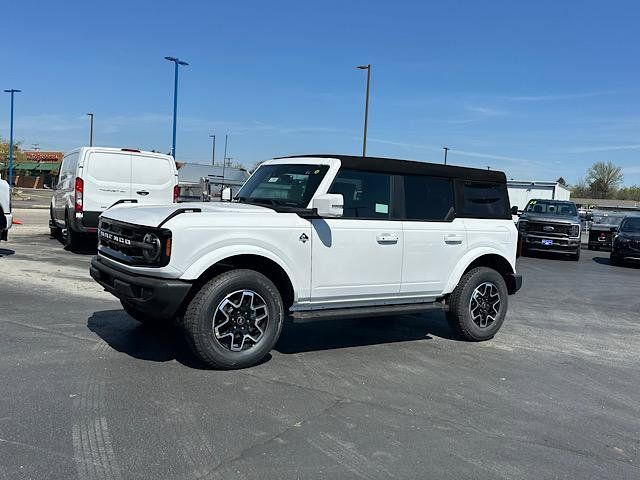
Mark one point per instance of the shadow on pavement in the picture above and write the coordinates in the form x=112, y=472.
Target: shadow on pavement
x=5, y=252
x=163, y=344
x=606, y=261
x=155, y=344
x=334, y=334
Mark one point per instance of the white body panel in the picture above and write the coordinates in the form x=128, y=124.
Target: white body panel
x=341, y=262
x=5, y=203
x=112, y=174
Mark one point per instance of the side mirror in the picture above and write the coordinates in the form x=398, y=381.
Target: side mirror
x=226, y=194
x=514, y=210
x=328, y=205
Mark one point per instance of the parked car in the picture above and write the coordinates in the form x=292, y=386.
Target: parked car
x=550, y=226
x=316, y=237
x=602, y=230
x=6, y=218
x=626, y=244
x=92, y=179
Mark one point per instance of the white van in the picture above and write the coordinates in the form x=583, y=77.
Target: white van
x=92, y=179
x=6, y=219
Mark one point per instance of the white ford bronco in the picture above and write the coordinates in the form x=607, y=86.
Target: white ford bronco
x=317, y=236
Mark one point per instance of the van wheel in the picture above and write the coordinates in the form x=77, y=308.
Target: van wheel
x=54, y=231
x=478, y=304
x=71, y=238
x=142, y=317
x=234, y=320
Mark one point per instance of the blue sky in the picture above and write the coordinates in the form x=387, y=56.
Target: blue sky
x=538, y=89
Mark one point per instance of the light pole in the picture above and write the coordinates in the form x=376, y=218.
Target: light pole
x=12, y=92
x=446, y=149
x=213, y=151
x=177, y=62
x=90, y=115
x=366, y=107
x=224, y=159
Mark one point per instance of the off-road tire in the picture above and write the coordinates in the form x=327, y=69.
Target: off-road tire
x=576, y=256
x=459, y=316
x=199, y=316
x=144, y=318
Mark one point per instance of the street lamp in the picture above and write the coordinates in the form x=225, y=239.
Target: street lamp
x=213, y=151
x=90, y=115
x=366, y=107
x=177, y=62
x=446, y=149
x=12, y=92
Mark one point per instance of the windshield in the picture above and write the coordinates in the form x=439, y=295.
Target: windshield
x=288, y=185
x=551, y=207
x=630, y=225
x=607, y=219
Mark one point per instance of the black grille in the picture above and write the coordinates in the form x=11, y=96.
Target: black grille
x=549, y=229
x=124, y=242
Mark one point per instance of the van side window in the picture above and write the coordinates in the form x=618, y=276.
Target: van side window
x=485, y=200
x=428, y=198
x=365, y=194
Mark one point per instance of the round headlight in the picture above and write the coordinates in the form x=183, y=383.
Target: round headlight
x=152, y=248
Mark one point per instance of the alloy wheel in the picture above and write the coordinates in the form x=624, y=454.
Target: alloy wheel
x=484, y=305
x=240, y=320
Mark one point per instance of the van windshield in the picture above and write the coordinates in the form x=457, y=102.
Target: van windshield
x=289, y=185
x=551, y=207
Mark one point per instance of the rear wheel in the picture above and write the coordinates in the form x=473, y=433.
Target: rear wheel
x=72, y=239
x=234, y=320
x=53, y=229
x=478, y=305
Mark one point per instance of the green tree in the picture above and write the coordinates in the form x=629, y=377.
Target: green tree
x=604, y=179
x=580, y=189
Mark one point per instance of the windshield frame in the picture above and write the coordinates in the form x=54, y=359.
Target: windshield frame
x=278, y=169
x=556, y=203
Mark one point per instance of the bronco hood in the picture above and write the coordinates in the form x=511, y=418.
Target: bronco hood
x=154, y=215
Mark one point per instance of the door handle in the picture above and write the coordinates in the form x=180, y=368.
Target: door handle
x=142, y=192
x=387, y=238
x=453, y=238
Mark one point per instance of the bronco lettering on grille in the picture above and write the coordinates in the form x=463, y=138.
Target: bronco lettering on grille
x=115, y=238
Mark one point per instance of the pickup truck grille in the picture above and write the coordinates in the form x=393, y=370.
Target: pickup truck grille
x=126, y=243
x=549, y=229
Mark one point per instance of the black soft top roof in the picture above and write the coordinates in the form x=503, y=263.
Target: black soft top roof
x=392, y=165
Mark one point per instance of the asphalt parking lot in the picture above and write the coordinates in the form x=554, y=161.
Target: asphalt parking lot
x=88, y=393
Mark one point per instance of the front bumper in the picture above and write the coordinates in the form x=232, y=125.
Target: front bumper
x=560, y=244
x=158, y=297
x=626, y=251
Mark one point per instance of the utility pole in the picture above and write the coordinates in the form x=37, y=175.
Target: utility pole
x=90, y=115
x=446, y=149
x=213, y=151
x=12, y=92
x=366, y=107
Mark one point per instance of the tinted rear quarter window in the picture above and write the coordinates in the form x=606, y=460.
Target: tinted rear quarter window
x=428, y=198
x=484, y=200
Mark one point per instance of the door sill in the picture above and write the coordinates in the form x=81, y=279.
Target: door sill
x=371, y=311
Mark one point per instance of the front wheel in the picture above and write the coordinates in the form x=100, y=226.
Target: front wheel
x=576, y=256
x=615, y=260
x=234, y=320
x=478, y=305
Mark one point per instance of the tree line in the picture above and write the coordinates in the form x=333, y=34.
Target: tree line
x=603, y=180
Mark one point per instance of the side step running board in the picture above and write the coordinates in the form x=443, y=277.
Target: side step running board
x=360, y=312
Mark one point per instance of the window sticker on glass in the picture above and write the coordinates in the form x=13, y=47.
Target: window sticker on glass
x=273, y=180
x=382, y=208
x=317, y=172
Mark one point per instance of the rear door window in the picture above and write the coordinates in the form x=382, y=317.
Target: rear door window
x=485, y=200
x=150, y=170
x=110, y=167
x=365, y=194
x=428, y=198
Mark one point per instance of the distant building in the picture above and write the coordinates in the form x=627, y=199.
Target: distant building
x=606, y=204
x=37, y=169
x=521, y=191
x=189, y=175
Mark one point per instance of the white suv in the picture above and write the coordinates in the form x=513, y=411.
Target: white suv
x=6, y=219
x=319, y=236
